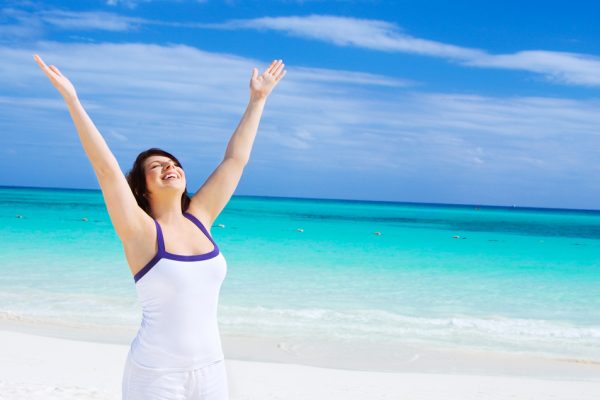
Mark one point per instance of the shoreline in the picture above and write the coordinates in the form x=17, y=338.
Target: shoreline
x=41, y=367
x=350, y=356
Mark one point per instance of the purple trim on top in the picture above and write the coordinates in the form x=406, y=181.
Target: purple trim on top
x=162, y=253
x=159, y=238
x=199, y=224
x=157, y=256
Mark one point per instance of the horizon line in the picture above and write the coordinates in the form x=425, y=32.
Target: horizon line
x=512, y=207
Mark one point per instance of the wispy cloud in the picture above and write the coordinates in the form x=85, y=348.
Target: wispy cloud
x=346, y=31
x=134, y=3
x=32, y=24
x=17, y=24
x=559, y=67
x=126, y=3
x=89, y=20
x=168, y=88
x=329, y=77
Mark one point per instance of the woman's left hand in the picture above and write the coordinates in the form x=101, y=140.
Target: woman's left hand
x=261, y=86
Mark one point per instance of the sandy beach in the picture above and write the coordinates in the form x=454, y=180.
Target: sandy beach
x=42, y=367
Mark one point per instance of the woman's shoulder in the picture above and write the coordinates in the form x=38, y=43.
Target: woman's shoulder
x=141, y=248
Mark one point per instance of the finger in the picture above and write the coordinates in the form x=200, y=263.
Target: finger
x=53, y=68
x=40, y=62
x=278, y=69
x=270, y=69
x=254, y=73
x=281, y=75
x=47, y=71
x=276, y=66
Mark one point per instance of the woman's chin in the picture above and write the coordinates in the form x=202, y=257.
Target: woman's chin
x=172, y=187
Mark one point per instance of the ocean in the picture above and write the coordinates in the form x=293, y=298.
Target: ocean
x=506, y=279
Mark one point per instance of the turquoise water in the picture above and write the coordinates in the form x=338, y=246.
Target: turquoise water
x=524, y=280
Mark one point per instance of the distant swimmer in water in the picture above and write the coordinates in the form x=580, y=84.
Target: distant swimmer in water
x=377, y=233
x=300, y=230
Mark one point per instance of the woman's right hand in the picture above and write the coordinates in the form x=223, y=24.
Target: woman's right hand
x=60, y=82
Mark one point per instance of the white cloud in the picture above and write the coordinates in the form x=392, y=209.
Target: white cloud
x=126, y=3
x=179, y=88
x=22, y=24
x=89, y=20
x=560, y=67
x=134, y=3
x=19, y=25
x=570, y=68
x=328, y=76
x=346, y=31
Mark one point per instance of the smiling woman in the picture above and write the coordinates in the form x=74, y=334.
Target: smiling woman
x=177, y=351
x=150, y=165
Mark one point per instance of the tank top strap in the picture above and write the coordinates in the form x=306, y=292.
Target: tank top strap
x=159, y=238
x=200, y=225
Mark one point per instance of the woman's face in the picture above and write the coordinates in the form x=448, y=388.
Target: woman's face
x=163, y=173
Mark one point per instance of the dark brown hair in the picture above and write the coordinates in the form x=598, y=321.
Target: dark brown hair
x=136, y=177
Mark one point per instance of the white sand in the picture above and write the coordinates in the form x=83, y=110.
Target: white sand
x=38, y=367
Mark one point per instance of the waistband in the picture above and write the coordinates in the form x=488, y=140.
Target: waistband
x=131, y=359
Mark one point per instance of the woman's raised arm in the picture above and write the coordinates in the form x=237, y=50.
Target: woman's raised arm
x=127, y=217
x=213, y=196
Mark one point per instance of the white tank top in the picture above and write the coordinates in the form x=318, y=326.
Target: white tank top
x=179, y=296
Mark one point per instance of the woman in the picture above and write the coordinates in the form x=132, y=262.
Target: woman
x=177, y=267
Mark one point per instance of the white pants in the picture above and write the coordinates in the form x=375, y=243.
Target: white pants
x=206, y=383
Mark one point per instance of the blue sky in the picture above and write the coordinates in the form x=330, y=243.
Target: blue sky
x=430, y=101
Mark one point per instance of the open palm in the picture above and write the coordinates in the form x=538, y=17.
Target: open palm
x=59, y=81
x=262, y=85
